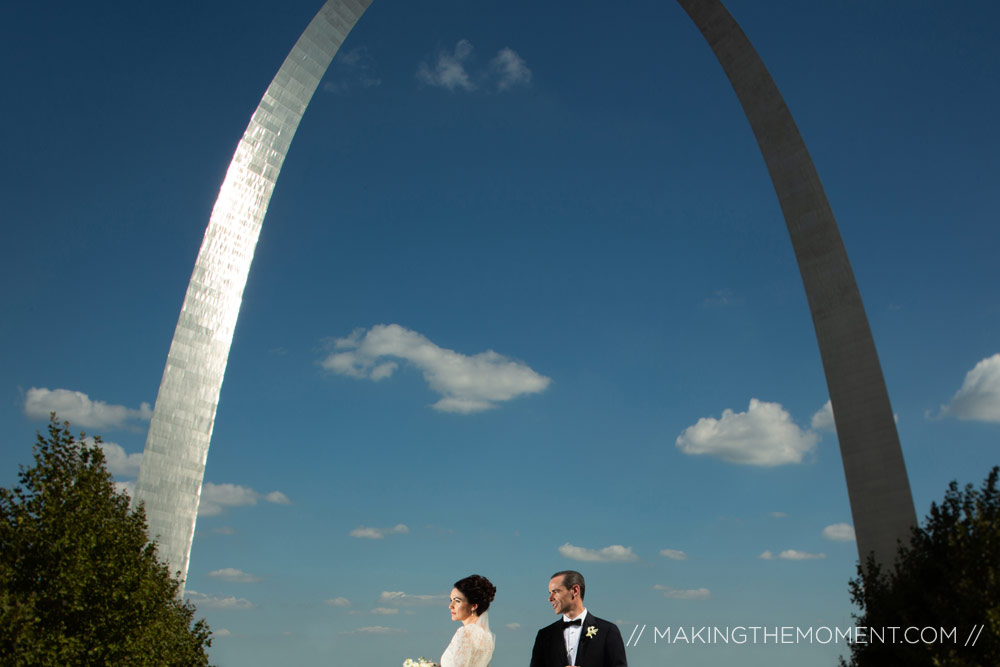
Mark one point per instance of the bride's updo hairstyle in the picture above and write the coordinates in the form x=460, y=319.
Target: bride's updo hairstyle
x=477, y=590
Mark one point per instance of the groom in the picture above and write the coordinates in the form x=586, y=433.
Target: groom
x=579, y=637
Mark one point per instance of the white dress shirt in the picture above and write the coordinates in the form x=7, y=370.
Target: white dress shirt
x=572, y=635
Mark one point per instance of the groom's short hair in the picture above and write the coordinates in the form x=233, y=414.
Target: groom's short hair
x=571, y=578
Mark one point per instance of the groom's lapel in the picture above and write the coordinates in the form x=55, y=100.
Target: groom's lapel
x=559, y=645
x=581, y=648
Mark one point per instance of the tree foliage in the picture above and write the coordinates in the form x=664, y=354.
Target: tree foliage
x=948, y=576
x=80, y=583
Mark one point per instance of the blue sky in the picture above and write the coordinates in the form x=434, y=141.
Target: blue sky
x=523, y=301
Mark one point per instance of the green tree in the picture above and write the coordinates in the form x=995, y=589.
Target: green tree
x=948, y=576
x=80, y=583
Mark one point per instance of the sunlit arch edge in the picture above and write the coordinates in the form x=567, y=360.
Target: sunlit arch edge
x=172, y=471
x=173, y=462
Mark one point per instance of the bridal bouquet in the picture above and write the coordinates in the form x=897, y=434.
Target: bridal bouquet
x=419, y=662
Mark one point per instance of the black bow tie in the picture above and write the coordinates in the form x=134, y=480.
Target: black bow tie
x=578, y=622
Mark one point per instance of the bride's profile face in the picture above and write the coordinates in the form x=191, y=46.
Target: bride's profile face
x=460, y=608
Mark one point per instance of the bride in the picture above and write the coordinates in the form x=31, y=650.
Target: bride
x=472, y=645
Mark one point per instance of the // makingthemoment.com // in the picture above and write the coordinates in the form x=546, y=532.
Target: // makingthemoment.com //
x=757, y=634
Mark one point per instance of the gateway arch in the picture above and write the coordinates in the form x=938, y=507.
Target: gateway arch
x=173, y=463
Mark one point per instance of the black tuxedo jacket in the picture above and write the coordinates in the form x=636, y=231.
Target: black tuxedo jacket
x=604, y=648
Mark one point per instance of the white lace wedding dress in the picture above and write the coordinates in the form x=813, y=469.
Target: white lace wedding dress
x=472, y=645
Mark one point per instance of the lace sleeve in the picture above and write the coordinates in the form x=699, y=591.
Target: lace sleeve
x=472, y=646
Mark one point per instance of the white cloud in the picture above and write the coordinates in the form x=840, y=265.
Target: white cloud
x=456, y=71
x=385, y=611
x=791, y=554
x=449, y=70
x=684, y=594
x=467, y=384
x=823, y=419
x=979, y=397
x=795, y=554
x=278, y=498
x=79, y=410
x=511, y=69
x=401, y=598
x=338, y=602
x=374, y=630
x=839, y=532
x=215, y=498
x=674, y=554
x=203, y=601
x=366, y=533
x=118, y=462
x=615, y=553
x=232, y=574
x=764, y=435
x=221, y=632
x=513, y=626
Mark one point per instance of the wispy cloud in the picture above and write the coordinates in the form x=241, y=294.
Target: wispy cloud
x=513, y=626
x=764, y=435
x=232, y=574
x=673, y=554
x=456, y=70
x=467, y=384
x=374, y=630
x=979, y=397
x=352, y=69
x=791, y=554
x=684, y=594
x=79, y=410
x=511, y=69
x=401, y=598
x=615, y=553
x=338, y=602
x=215, y=498
x=448, y=71
x=385, y=611
x=365, y=533
x=839, y=532
x=230, y=602
x=779, y=515
x=721, y=298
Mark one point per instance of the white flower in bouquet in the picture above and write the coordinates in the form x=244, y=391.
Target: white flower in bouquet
x=419, y=662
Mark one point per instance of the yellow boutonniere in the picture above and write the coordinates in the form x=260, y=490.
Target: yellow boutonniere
x=591, y=632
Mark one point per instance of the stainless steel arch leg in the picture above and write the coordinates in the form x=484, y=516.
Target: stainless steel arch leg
x=877, y=484
x=173, y=463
